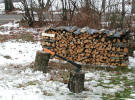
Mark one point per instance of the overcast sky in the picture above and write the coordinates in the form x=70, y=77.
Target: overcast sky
x=1, y=1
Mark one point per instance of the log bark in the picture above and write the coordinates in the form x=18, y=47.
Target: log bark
x=76, y=82
x=41, y=61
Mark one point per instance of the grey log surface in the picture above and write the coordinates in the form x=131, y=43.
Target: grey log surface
x=76, y=82
x=41, y=61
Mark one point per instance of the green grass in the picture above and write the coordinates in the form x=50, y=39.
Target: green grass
x=70, y=93
x=20, y=86
x=30, y=83
x=24, y=37
x=7, y=57
x=120, y=95
x=1, y=27
x=47, y=93
x=123, y=94
x=3, y=38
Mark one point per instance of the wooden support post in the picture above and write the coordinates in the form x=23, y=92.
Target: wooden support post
x=41, y=61
x=76, y=82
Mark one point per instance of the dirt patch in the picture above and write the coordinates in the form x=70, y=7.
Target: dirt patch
x=36, y=24
x=7, y=57
x=4, y=38
x=25, y=37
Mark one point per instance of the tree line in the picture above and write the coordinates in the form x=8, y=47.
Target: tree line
x=77, y=12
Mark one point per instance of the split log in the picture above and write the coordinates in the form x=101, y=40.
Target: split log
x=94, y=48
x=41, y=61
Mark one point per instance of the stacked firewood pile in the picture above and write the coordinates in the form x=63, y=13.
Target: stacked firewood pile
x=88, y=46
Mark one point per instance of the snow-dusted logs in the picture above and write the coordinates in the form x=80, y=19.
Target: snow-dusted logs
x=88, y=46
x=76, y=82
x=41, y=61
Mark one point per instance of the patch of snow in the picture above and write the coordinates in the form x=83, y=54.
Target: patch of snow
x=18, y=84
x=19, y=52
x=133, y=95
x=6, y=27
x=25, y=84
x=4, y=32
x=95, y=79
x=58, y=61
x=16, y=5
x=106, y=81
x=10, y=24
x=89, y=75
x=19, y=12
x=131, y=62
x=2, y=8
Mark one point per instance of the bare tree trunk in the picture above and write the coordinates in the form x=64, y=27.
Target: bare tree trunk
x=133, y=7
x=41, y=3
x=72, y=7
x=8, y=5
x=102, y=12
x=64, y=10
x=123, y=13
x=87, y=3
x=40, y=7
x=28, y=15
x=103, y=6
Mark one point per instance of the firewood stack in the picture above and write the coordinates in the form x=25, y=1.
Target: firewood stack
x=88, y=46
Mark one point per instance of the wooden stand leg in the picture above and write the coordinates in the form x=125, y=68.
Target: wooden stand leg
x=41, y=61
x=76, y=82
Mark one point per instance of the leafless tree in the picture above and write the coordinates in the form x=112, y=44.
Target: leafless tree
x=72, y=7
x=44, y=5
x=103, y=6
x=41, y=8
x=68, y=9
x=34, y=9
x=8, y=5
x=123, y=13
x=29, y=12
x=133, y=7
x=64, y=10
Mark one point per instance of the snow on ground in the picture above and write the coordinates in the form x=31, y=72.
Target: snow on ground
x=16, y=5
x=18, y=52
x=13, y=28
x=5, y=29
x=132, y=61
x=25, y=84
x=22, y=83
x=13, y=52
x=2, y=8
x=10, y=25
